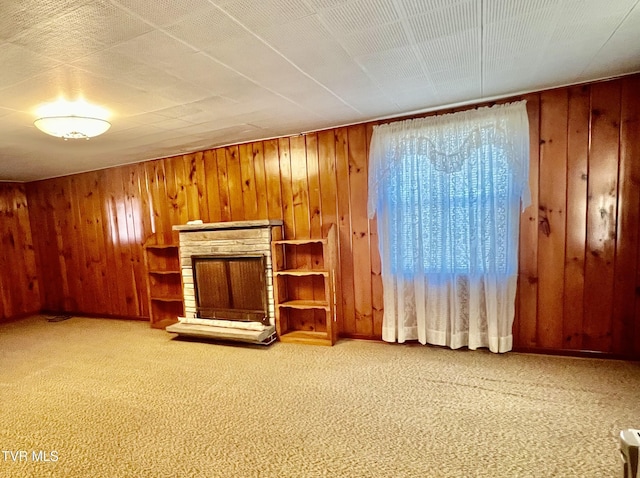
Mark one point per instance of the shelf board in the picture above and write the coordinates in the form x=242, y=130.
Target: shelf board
x=168, y=299
x=301, y=272
x=161, y=246
x=300, y=242
x=162, y=323
x=159, y=272
x=307, y=337
x=305, y=304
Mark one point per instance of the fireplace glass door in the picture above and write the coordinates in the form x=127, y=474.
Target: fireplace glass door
x=230, y=288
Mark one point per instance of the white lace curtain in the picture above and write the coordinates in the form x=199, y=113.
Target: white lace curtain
x=448, y=191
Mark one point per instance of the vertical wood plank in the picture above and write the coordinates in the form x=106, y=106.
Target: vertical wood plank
x=212, y=187
x=299, y=187
x=526, y=323
x=234, y=178
x=176, y=192
x=114, y=216
x=552, y=216
x=577, y=167
x=137, y=235
x=126, y=259
x=248, y=181
x=377, y=304
x=257, y=152
x=76, y=247
x=223, y=185
x=601, y=215
x=190, y=181
x=286, y=188
x=329, y=201
x=344, y=233
x=358, y=187
x=201, y=187
x=162, y=203
x=313, y=174
x=272, y=178
x=95, y=265
x=625, y=326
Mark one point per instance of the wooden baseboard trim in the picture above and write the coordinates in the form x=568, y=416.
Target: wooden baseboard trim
x=91, y=315
x=529, y=350
x=573, y=353
x=15, y=318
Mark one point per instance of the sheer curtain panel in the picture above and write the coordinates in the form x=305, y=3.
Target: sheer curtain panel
x=448, y=191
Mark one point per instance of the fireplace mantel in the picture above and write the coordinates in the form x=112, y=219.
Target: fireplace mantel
x=220, y=239
x=215, y=226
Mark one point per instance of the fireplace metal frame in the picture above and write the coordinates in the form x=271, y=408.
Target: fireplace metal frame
x=235, y=314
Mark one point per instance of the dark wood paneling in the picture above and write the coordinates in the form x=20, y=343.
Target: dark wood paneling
x=625, y=331
x=601, y=215
x=551, y=216
x=576, y=207
x=579, y=239
x=525, y=329
x=19, y=284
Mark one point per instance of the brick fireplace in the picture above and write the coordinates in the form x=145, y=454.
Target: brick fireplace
x=227, y=280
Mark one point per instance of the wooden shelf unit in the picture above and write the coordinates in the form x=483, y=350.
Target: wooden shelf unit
x=164, y=283
x=304, y=289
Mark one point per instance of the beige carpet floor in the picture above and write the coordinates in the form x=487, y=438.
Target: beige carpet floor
x=107, y=398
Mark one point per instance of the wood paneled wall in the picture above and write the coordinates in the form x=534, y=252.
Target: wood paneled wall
x=19, y=287
x=579, y=258
x=579, y=263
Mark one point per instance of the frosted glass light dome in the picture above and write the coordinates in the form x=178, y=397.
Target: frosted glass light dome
x=72, y=119
x=72, y=127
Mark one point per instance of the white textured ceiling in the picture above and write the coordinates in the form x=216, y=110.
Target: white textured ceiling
x=186, y=75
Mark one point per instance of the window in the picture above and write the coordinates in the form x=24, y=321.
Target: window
x=459, y=216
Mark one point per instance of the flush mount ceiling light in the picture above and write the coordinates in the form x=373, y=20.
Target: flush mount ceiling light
x=72, y=127
x=72, y=120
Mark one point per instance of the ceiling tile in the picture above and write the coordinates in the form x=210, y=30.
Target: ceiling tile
x=82, y=31
x=321, y=4
x=308, y=32
x=453, y=52
x=620, y=54
x=19, y=63
x=164, y=12
x=417, y=7
x=260, y=15
x=401, y=63
x=205, y=28
x=260, y=63
x=445, y=21
x=375, y=39
x=504, y=10
x=154, y=48
x=18, y=16
x=359, y=15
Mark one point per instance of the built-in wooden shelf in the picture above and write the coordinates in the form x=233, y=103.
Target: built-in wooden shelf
x=164, y=283
x=304, y=289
